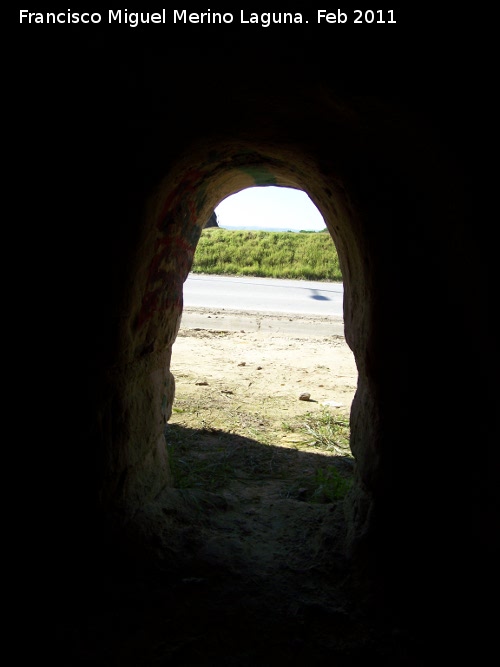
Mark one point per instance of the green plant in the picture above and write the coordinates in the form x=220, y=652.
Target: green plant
x=288, y=428
x=190, y=469
x=327, y=431
x=330, y=485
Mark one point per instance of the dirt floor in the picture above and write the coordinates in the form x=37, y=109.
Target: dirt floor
x=250, y=421
x=259, y=438
x=249, y=381
x=258, y=441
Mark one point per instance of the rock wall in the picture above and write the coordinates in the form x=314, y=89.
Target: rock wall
x=212, y=221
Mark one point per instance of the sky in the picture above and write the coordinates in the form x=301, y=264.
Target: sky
x=270, y=208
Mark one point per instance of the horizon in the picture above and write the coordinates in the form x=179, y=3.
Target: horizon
x=257, y=228
x=278, y=209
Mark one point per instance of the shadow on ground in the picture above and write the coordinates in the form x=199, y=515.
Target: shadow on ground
x=250, y=570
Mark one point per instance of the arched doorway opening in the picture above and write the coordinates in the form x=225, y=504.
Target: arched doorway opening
x=177, y=215
x=262, y=374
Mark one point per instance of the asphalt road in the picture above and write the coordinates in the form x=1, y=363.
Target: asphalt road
x=263, y=295
x=296, y=307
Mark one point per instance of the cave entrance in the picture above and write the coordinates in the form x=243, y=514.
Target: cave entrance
x=240, y=477
x=263, y=393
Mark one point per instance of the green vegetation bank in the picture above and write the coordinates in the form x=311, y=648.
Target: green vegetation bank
x=292, y=255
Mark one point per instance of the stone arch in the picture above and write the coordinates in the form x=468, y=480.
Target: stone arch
x=362, y=163
x=176, y=214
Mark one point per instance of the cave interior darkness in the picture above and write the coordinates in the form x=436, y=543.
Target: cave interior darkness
x=135, y=147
